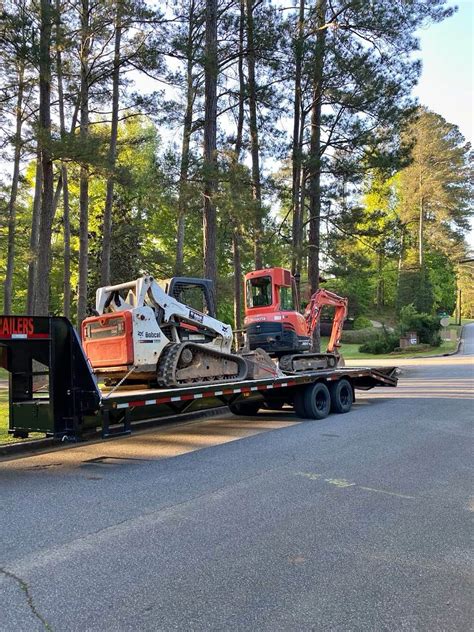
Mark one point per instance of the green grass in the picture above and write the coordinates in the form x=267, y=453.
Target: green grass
x=3, y=374
x=464, y=321
x=4, y=437
x=351, y=351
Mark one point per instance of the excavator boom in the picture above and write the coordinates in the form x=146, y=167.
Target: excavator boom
x=313, y=314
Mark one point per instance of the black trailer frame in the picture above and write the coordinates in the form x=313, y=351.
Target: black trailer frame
x=74, y=406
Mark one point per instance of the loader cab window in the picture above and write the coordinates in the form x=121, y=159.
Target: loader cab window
x=259, y=292
x=287, y=299
x=195, y=293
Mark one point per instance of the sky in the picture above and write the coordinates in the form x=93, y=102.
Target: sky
x=446, y=83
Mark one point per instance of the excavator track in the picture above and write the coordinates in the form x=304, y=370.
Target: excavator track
x=300, y=362
x=183, y=364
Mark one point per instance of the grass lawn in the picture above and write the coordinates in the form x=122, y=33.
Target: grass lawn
x=351, y=351
x=4, y=437
x=464, y=321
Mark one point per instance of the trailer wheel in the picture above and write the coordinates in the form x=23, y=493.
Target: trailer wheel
x=245, y=408
x=312, y=402
x=299, y=405
x=317, y=400
x=341, y=396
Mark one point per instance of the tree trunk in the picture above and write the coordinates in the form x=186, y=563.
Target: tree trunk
x=421, y=258
x=253, y=128
x=298, y=123
x=210, y=158
x=107, y=224
x=302, y=262
x=380, y=281
x=187, y=129
x=35, y=222
x=8, y=287
x=67, y=246
x=237, y=280
x=84, y=174
x=314, y=163
x=43, y=267
x=236, y=237
x=64, y=175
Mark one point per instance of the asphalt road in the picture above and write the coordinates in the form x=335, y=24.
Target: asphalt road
x=358, y=522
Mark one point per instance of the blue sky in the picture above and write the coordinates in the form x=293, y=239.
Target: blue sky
x=446, y=84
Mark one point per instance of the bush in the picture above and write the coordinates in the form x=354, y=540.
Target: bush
x=426, y=326
x=359, y=336
x=383, y=343
x=362, y=322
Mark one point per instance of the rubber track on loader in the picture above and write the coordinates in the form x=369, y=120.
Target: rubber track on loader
x=168, y=366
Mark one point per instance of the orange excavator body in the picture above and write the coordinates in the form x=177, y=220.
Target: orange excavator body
x=273, y=321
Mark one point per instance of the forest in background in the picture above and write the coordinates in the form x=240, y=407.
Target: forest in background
x=211, y=137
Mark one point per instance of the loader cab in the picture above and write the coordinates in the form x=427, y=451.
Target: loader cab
x=272, y=318
x=193, y=292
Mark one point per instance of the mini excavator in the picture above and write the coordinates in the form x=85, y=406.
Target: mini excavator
x=274, y=323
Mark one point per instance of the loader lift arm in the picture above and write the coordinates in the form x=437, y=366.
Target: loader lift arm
x=312, y=315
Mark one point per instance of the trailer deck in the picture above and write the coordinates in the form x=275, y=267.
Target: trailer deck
x=53, y=388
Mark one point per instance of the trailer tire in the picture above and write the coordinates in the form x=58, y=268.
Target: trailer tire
x=245, y=408
x=317, y=401
x=341, y=396
x=312, y=402
x=299, y=404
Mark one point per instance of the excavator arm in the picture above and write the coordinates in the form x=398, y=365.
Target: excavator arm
x=313, y=314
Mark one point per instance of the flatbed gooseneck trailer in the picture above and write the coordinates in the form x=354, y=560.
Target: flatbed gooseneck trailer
x=53, y=390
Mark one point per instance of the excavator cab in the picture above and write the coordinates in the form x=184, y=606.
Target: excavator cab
x=274, y=323
x=272, y=318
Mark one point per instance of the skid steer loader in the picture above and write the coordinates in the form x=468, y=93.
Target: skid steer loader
x=141, y=332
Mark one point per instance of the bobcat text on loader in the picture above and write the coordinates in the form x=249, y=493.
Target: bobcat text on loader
x=145, y=355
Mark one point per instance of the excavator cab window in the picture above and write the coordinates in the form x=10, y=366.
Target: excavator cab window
x=287, y=300
x=259, y=292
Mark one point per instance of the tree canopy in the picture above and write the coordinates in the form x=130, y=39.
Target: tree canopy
x=212, y=138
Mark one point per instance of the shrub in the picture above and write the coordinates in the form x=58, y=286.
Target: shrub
x=362, y=322
x=426, y=325
x=359, y=336
x=383, y=343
